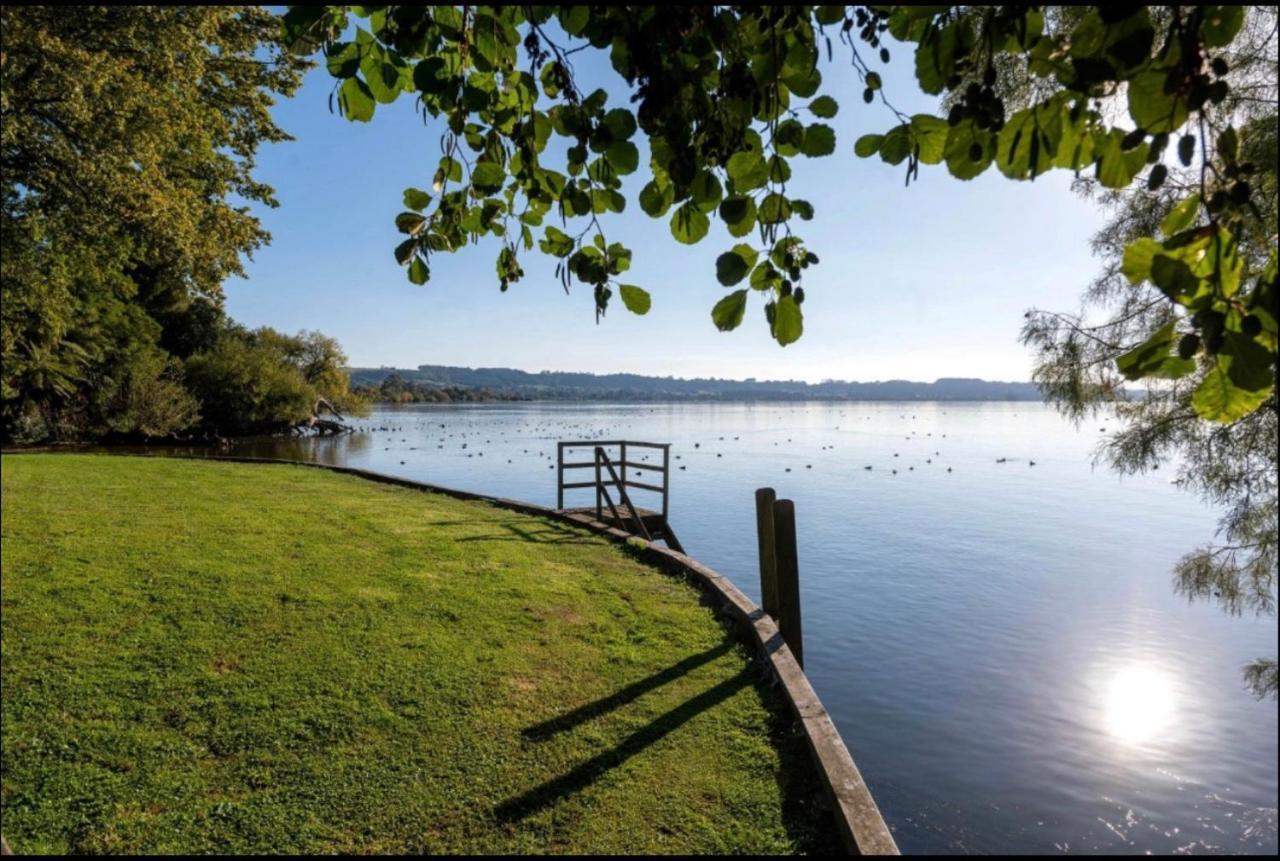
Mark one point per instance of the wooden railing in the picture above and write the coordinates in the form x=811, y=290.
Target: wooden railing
x=611, y=472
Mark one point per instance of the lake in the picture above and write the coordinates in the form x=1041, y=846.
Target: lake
x=999, y=643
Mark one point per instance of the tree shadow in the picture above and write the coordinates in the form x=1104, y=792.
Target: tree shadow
x=583, y=775
x=582, y=714
x=548, y=533
x=806, y=815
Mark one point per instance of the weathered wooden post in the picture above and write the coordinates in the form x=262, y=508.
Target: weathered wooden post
x=666, y=479
x=768, y=560
x=623, y=458
x=559, y=475
x=788, y=575
x=599, y=514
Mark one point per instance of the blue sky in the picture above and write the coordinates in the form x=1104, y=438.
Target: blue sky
x=915, y=283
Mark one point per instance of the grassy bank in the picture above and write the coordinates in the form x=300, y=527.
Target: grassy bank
x=237, y=658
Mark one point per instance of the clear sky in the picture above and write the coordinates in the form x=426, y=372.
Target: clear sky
x=916, y=283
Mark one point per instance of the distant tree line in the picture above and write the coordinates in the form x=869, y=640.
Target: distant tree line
x=395, y=389
x=441, y=383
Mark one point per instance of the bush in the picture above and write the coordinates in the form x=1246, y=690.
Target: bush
x=265, y=381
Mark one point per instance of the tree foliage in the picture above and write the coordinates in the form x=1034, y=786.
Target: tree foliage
x=1231, y=465
x=263, y=380
x=127, y=145
x=727, y=96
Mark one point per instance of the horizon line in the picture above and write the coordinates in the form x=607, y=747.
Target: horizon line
x=828, y=381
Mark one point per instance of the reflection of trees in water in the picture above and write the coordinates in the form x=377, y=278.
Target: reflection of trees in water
x=333, y=450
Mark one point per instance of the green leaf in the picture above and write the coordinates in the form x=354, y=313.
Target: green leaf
x=728, y=312
x=705, y=191
x=1027, y=145
x=405, y=251
x=488, y=177
x=805, y=83
x=356, y=101
x=1250, y=365
x=623, y=156
x=963, y=140
x=620, y=123
x=1136, y=265
x=931, y=136
x=689, y=223
x=1154, y=109
x=788, y=322
x=1156, y=357
x=828, y=14
x=418, y=271
x=819, y=140
x=547, y=76
x=733, y=266
x=556, y=243
x=1218, y=399
x=431, y=76
x=635, y=298
x=1221, y=23
x=410, y=222
x=574, y=19
x=1174, y=278
x=747, y=170
x=416, y=199
x=936, y=58
x=1229, y=144
x=1116, y=166
x=343, y=59
x=774, y=209
x=449, y=20
x=868, y=145
x=655, y=200
x=824, y=106
x=765, y=277
x=737, y=210
x=789, y=137
x=450, y=169
x=897, y=144
x=1181, y=216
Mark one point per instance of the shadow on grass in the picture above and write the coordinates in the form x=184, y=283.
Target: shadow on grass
x=544, y=533
x=808, y=820
x=583, y=775
x=547, y=729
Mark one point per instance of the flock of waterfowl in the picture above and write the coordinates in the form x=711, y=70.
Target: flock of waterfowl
x=468, y=433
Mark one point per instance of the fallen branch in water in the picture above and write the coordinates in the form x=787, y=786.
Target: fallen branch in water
x=321, y=426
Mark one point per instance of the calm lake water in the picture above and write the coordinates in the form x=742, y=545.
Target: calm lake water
x=999, y=643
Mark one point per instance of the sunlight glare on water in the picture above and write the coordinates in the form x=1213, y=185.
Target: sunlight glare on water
x=1140, y=704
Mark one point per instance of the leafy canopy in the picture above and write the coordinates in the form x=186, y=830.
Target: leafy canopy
x=728, y=96
x=1232, y=466
x=128, y=138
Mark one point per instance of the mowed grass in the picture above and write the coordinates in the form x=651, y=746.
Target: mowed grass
x=218, y=657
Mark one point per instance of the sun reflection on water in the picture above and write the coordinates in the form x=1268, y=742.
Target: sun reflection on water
x=1140, y=704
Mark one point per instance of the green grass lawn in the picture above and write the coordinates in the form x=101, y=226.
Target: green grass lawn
x=217, y=657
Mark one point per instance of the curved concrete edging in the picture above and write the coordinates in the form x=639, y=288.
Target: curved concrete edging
x=862, y=829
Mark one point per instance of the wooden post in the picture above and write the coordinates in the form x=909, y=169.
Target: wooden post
x=666, y=481
x=623, y=446
x=560, y=475
x=784, y=535
x=598, y=488
x=768, y=559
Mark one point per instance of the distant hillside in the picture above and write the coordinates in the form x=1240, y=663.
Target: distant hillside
x=445, y=383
